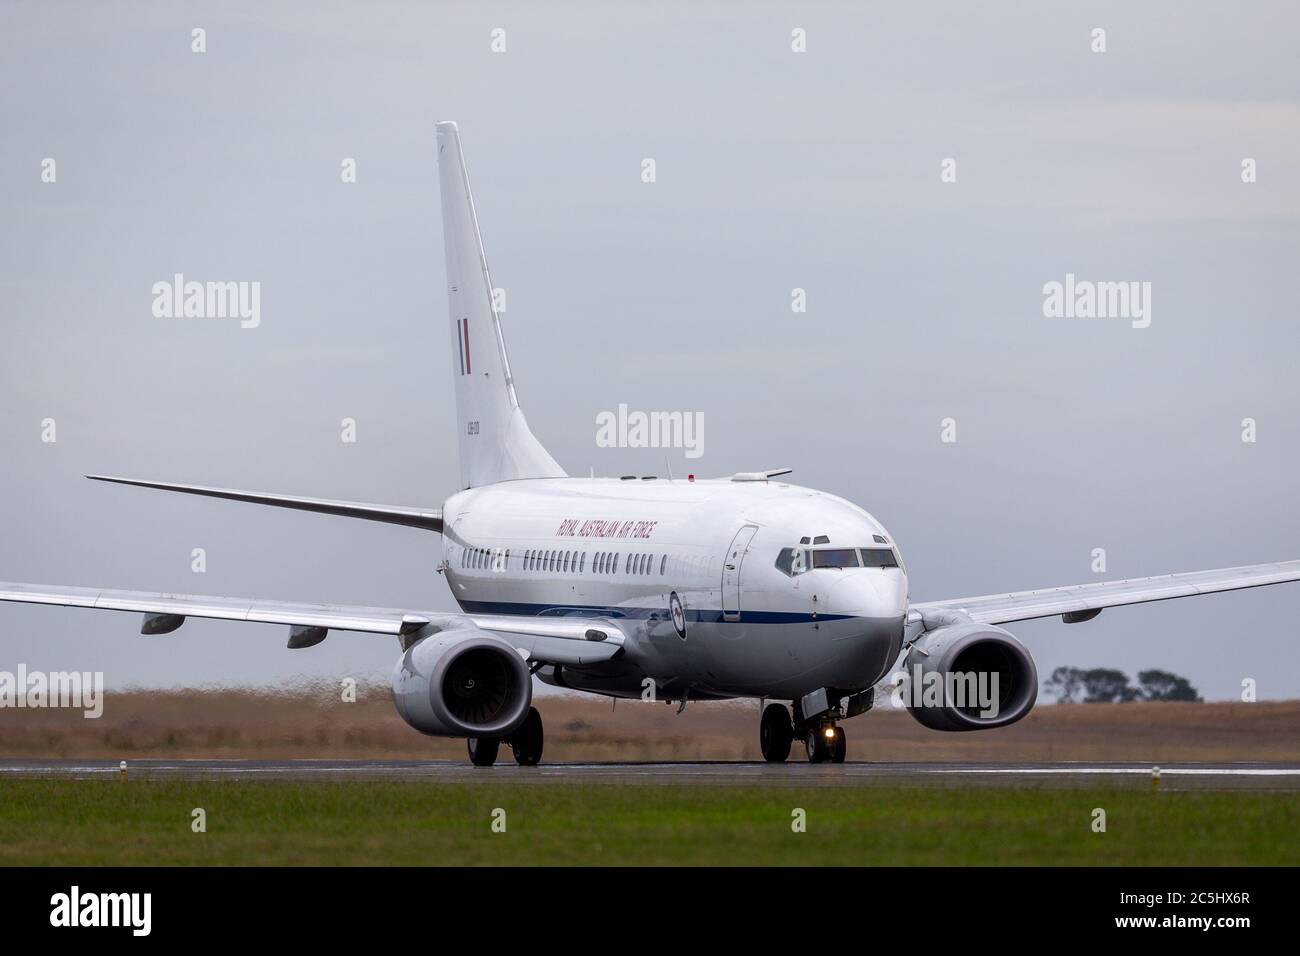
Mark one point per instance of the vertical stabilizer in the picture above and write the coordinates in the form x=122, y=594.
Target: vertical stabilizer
x=495, y=443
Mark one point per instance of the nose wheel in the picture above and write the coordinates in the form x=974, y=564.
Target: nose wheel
x=826, y=744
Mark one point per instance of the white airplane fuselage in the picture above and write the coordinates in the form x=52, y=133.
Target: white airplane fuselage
x=629, y=549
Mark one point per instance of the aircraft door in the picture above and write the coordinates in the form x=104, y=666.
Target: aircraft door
x=732, y=562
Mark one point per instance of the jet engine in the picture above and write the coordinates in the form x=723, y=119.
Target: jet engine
x=967, y=676
x=462, y=683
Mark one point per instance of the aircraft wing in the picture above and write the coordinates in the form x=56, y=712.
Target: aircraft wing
x=552, y=640
x=1085, y=601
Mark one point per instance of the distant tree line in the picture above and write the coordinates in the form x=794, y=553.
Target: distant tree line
x=1104, y=685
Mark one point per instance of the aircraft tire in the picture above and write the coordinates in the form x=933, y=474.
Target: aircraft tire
x=775, y=733
x=483, y=750
x=526, y=742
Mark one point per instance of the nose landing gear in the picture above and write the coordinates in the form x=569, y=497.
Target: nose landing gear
x=825, y=742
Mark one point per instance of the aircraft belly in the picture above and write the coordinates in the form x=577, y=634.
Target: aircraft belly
x=788, y=660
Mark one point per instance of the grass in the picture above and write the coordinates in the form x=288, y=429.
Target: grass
x=92, y=822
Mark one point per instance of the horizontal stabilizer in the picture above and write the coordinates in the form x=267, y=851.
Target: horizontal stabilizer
x=428, y=518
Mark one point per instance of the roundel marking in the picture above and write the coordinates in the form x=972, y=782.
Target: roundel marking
x=678, y=614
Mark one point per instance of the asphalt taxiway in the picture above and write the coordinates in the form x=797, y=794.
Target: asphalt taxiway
x=796, y=773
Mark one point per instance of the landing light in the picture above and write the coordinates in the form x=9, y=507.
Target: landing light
x=830, y=733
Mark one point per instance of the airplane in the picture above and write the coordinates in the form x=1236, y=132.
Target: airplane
x=646, y=587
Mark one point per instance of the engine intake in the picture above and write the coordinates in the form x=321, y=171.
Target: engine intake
x=462, y=683
x=968, y=676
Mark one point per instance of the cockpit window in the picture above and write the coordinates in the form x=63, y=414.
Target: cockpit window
x=879, y=558
x=795, y=561
x=835, y=558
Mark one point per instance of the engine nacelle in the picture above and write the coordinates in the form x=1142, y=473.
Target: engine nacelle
x=968, y=676
x=462, y=683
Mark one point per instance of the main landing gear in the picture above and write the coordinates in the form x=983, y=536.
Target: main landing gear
x=525, y=742
x=775, y=733
x=823, y=740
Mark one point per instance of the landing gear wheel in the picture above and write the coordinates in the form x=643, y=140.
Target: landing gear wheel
x=483, y=750
x=775, y=733
x=816, y=744
x=839, y=746
x=526, y=742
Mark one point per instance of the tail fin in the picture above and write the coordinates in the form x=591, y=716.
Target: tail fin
x=495, y=443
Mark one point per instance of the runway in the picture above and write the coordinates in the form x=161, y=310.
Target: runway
x=1173, y=777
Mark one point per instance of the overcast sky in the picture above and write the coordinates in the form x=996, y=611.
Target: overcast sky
x=775, y=170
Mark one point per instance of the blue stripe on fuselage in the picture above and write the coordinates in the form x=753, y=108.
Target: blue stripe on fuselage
x=707, y=615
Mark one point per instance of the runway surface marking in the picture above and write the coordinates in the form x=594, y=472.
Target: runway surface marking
x=719, y=774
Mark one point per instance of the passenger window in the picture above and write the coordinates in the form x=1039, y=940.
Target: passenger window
x=582, y=563
x=663, y=565
x=614, y=570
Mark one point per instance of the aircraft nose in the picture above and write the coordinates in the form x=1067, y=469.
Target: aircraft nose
x=876, y=594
